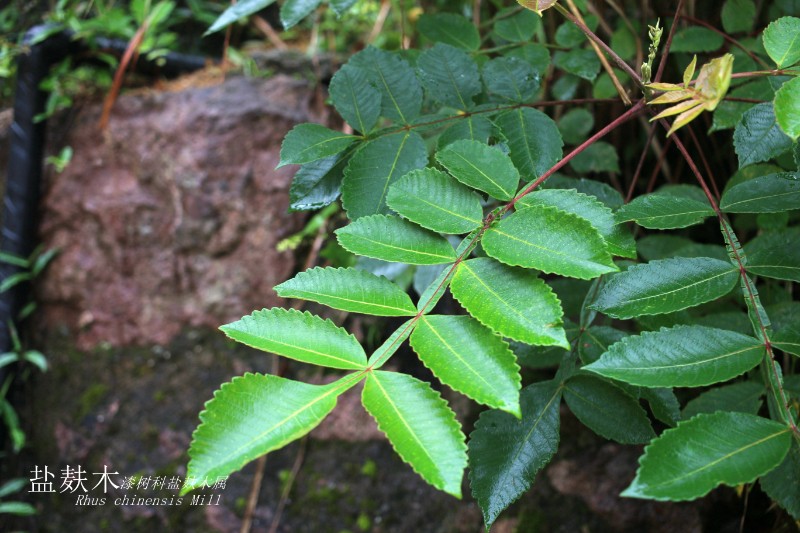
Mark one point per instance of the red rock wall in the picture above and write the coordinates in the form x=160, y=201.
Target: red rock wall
x=170, y=218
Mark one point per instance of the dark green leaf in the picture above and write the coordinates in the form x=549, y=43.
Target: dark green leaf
x=249, y=417
x=764, y=194
x=785, y=319
x=355, y=97
x=607, y=410
x=598, y=157
x=17, y=508
x=449, y=28
x=512, y=301
x=421, y=427
x=787, y=108
x=469, y=358
x=619, y=240
x=436, y=201
x=518, y=27
x=317, y=184
x=782, y=41
x=505, y=453
x=536, y=55
x=293, y=11
x=781, y=484
x=300, y=336
x=482, y=167
x=758, y=137
x=401, y=92
x=377, y=165
x=579, y=62
x=450, y=75
x=575, y=125
x=550, y=240
x=743, y=397
x=696, y=39
x=510, y=79
x=775, y=254
x=664, y=404
x=348, y=289
x=683, y=356
x=396, y=240
x=665, y=286
x=595, y=340
x=729, y=113
x=474, y=127
x=708, y=450
x=237, y=11
x=312, y=142
x=738, y=15
x=602, y=191
x=568, y=35
x=534, y=141
x=662, y=210
x=341, y=6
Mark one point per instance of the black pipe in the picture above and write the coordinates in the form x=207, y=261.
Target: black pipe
x=26, y=147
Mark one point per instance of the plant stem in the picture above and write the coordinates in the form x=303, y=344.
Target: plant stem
x=663, y=62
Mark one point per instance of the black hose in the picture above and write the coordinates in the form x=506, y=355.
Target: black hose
x=26, y=149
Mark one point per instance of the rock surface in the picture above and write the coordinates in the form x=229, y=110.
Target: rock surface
x=171, y=217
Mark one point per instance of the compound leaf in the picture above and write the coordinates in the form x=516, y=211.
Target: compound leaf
x=252, y=415
x=665, y=286
x=607, y=410
x=708, y=450
x=436, y=201
x=420, y=425
x=348, y=289
x=375, y=166
x=550, y=240
x=512, y=301
x=394, y=239
x=480, y=166
x=683, y=356
x=469, y=358
x=300, y=336
x=506, y=453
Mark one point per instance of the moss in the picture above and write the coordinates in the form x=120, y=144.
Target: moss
x=91, y=398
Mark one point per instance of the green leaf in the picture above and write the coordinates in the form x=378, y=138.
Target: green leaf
x=355, y=97
x=728, y=113
x=664, y=404
x=421, y=427
x=743, y=397
x=17, y=508
x=517, y=28
x=663, y=210
x=781, y=484
x=787, y=108
x=758, y=137
x=249, y=417
x=505, y=453
x=482, y=167
x=377, y=165
x=340, y=7
x=607, y=410
x=619, y=241
x=449, y=28
x=598, y=157
x=401, y=92
x=300, y=336
x=580, y=62
x=293, y=11
x=510, y=79
x=470, y=359
x=550, y=240
x=782, y=41
x=235, y=12
x=450, y=75
x=534, y=54
x=683, y=356
x=765, y=194
x=534, y=140
x=595, y=340
x=575, y=125
x=475, y=128
x=312, y=142
x=436, y=201
x=317, y=184
x=602, y=191
x=394, y=239
x=665, y=286
x=696, y=39
x=738, y=15
x=514, y=302
x=348, y=289
x=775, y=254
x=785, y=320
x=710, y=449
